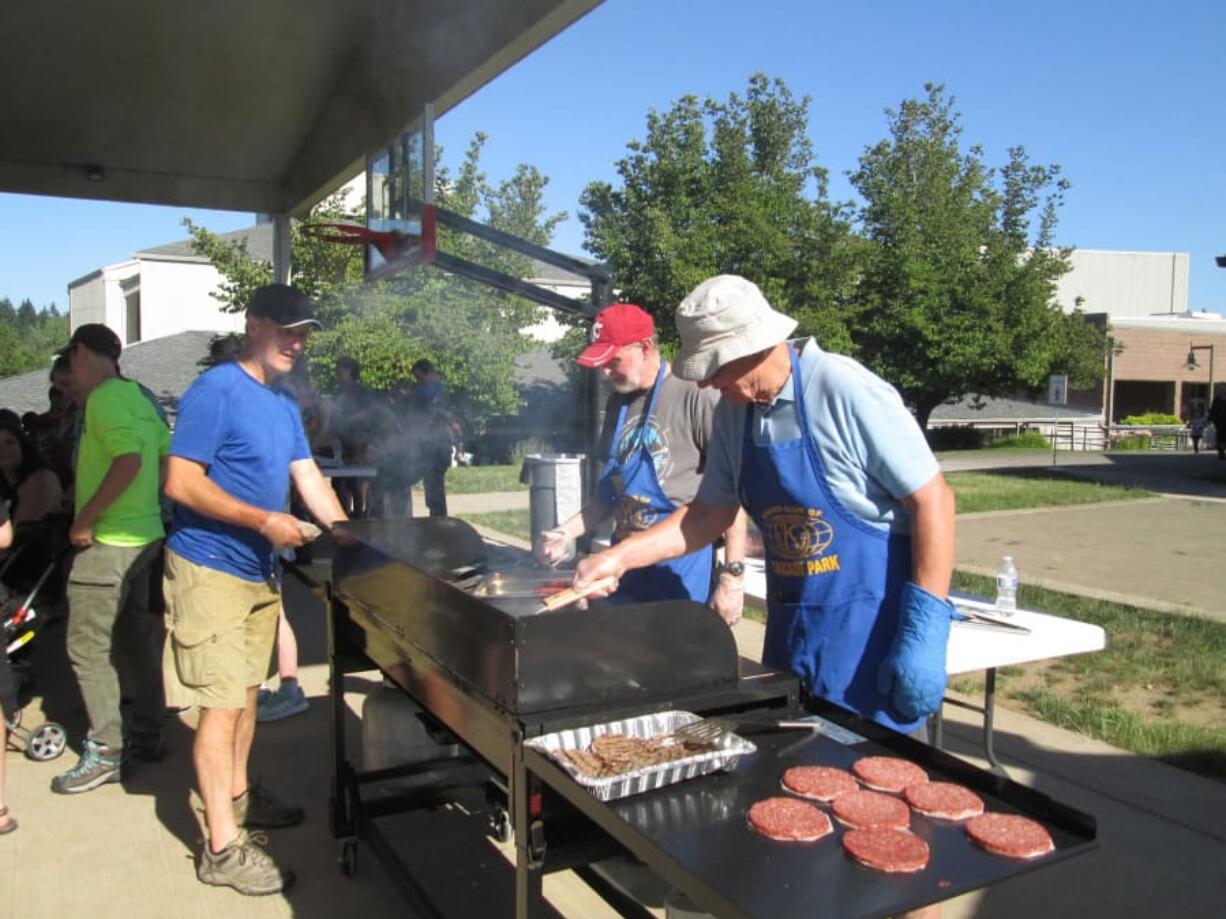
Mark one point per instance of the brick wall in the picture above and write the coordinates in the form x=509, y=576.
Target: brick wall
x=1160, y=356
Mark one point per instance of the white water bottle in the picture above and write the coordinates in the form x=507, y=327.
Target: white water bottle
x=1006, y=587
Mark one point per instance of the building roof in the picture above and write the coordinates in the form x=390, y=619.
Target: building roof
x=231, y=105
x=981, y=410
x=166, y=366
x=258, y=239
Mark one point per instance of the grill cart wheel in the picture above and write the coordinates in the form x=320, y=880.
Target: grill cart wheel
x=348, y=859
x=46, y=742
x=503, y=831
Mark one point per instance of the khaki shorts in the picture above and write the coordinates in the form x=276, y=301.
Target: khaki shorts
x=220, y=634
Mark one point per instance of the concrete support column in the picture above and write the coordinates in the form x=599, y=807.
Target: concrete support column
x=280, y=248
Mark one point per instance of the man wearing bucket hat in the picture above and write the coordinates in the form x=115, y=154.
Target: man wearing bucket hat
x=857, y=521
x=654, y=446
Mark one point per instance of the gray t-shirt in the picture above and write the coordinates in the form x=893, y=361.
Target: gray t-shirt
x=676, y=434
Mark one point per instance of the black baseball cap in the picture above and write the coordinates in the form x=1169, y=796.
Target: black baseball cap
x=283, y=304
x=97, y=338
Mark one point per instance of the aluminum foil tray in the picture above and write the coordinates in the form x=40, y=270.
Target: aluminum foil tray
x=649, y=777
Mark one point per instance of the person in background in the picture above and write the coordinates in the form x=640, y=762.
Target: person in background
x=117, y=531
x=61, y=454
x=437, y=432
x=288, y=698
x=396, y=454
x=1196, y=430
x=349, y=422
x=8, y=692
x=654, y=443
x=1217, y=415
x=30, y=489
x=238, y=444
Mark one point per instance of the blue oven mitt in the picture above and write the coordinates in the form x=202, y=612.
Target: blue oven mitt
x=913, y=672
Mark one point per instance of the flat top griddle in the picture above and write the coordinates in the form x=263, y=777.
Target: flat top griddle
x=699, y=829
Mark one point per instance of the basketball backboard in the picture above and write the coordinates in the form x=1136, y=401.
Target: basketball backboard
x=399, y=201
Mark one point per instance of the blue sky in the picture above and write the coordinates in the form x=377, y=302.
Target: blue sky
x=1126, y=96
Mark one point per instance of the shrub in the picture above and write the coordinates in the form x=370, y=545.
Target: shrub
x=1152, y=418
x=527, y=448
x=1132, y=442
x=955, y=437
x=1028, y=439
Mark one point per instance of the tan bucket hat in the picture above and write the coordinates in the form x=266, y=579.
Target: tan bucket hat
x=725, y=318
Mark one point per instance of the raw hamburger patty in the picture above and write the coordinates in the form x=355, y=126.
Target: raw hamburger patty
x=871, y=808
x=886, y=850
x=887, y=773
x=943, y=800
x=821, y=783
x=1010, y=835
x=789, y=820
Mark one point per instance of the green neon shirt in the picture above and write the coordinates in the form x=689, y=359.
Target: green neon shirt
x=119, y=420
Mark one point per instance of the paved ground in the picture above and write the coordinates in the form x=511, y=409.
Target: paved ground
x=125, y=851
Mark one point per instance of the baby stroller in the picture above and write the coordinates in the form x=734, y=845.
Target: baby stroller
x=31, y=577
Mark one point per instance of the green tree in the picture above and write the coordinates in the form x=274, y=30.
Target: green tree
x=13, y=357
x=29, y=336
x=727, y=187
x=471, y=332
x=27, y=315
x=957, y=292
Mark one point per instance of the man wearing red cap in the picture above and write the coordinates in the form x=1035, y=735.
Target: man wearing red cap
x=654, y=446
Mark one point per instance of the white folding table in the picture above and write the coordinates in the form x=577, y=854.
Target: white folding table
x=974, y=647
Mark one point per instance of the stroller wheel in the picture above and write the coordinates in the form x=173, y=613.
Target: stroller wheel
x=46, y=742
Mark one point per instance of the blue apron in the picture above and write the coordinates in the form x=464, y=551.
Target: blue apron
x=833, y=580
x=639, y=502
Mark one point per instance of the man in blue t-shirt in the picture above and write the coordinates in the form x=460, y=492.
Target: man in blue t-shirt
x=238, y=442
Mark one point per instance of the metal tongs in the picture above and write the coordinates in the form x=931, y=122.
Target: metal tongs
x=716, y=731
x=980, y=620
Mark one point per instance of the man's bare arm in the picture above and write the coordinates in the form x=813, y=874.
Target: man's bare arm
x=316, y=492
x=735, y=538
x=122, y=472
x=932, y=510
x=686, y=530
x=187, y=483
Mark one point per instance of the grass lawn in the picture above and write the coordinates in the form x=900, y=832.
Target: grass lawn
x=991, y=491
x=1159, y=688
x=512, y=523
x=476, y=480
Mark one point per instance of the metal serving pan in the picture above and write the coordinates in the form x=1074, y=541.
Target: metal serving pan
x=640, y=780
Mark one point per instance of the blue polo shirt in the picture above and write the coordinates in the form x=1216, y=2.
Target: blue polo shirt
x=246, y=434
x=874, y=451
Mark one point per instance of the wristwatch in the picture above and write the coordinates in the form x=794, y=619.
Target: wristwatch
x=736, y=569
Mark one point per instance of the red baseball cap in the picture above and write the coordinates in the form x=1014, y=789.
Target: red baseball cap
x=615, y=327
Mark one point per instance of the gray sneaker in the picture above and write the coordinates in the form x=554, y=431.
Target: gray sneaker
x=97, y=766
x=258, y=809
x=243, y=865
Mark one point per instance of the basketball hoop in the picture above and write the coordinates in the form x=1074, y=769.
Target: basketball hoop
x=392, y=250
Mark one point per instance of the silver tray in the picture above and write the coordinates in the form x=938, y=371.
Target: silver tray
x=649, y=777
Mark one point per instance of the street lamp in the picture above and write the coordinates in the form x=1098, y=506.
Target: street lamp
x=1193, y=365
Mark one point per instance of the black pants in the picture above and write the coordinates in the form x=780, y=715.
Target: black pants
x=436, y=462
